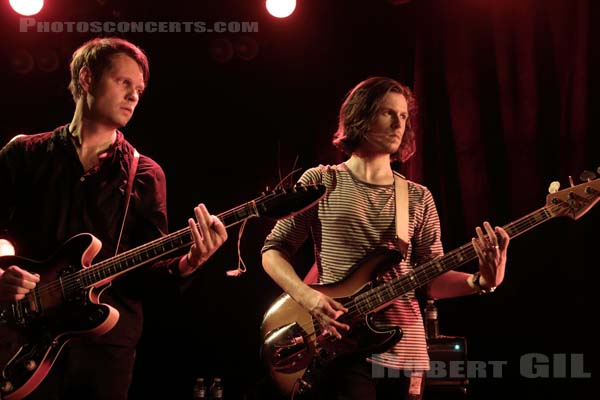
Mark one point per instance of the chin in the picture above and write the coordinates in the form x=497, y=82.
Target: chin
x=121, y=124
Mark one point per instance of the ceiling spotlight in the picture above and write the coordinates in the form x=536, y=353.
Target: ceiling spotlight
x=281, y=8
x=27, y=7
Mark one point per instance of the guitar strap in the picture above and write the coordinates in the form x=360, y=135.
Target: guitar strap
x=401, y=192
x=415, y=389
x=130, y=178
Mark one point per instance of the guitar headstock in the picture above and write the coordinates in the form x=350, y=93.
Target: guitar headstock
x=576, y=200
x=288, y=201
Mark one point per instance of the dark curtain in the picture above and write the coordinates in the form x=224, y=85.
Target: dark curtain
x=505, y=91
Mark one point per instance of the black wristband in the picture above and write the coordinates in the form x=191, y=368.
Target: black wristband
x=481, y=290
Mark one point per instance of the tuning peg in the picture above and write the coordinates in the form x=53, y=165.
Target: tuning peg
x=587, y=176
x=554, y=186
x=571, y=181
x=598, y=170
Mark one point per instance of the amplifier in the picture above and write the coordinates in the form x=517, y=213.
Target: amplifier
x=448, y=355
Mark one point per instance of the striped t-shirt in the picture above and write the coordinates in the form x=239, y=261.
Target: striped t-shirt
x=353, y=219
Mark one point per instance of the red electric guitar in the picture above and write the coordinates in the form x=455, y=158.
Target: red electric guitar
x=66, y=302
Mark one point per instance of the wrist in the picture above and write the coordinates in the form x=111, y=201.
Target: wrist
x=186, y=266
x=478, y=286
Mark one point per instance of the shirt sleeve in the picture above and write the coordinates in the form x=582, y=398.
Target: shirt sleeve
x=426, y=240
x=290, y=233
x=10, y=159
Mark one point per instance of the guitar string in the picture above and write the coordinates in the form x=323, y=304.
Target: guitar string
x=465, y=254
x=72, y=281
x=186, y=231
x=404, y=282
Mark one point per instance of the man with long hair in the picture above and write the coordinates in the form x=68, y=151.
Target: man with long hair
x=357, y=216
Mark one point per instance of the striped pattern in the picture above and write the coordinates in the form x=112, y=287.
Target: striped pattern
x=352, y=220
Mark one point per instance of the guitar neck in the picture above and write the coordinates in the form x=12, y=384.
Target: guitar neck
x=381, y=295
x=110, y=268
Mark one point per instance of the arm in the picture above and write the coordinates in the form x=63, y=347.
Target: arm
x=322, y=307
x=207, y=230
x=15, y=282
x=280, y=246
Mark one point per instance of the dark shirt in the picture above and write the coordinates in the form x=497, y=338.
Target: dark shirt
x=46, y=198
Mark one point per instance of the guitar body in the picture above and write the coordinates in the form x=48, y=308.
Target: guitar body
x=34, y=330
x=296, y=351
x=65, y=303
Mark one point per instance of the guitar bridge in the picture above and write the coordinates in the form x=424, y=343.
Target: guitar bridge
x=287, y=348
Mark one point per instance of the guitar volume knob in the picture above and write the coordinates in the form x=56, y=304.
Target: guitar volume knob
x=30, y=365
x=6, y=387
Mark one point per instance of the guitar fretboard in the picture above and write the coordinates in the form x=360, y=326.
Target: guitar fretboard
x=153, y=250
x=383, y=294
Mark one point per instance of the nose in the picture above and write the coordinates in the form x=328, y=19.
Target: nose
x=133, y=96
x=395, y=122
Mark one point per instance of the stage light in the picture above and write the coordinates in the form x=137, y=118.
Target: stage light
x=27, y=7
x=281, y=8
x=221, y=50
x=22, y=62
x=47, y=60
x=246, y=48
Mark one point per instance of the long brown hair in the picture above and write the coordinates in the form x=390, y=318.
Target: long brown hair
x=358, y=112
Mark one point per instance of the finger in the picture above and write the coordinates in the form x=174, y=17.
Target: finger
x=482, y=243
x=333, y=314
x=20, y=283
x=335, y=332
x=9, y=279
x=208, y=232
x=195, y=233
x=331, y=326
x=493, y=240
x=11, y=297
x=481, y=253
x=337, y=306
x=19, y=297
x=14, y=288
x=504, y=238
x=219, y=228
x=203, y=218
x=331, y=331
x=477, y=247
x=16, y=271
x=20, y=278
x=481, y=237
x=339, y=325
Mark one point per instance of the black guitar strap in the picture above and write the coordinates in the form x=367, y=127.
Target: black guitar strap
x=131, y=177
